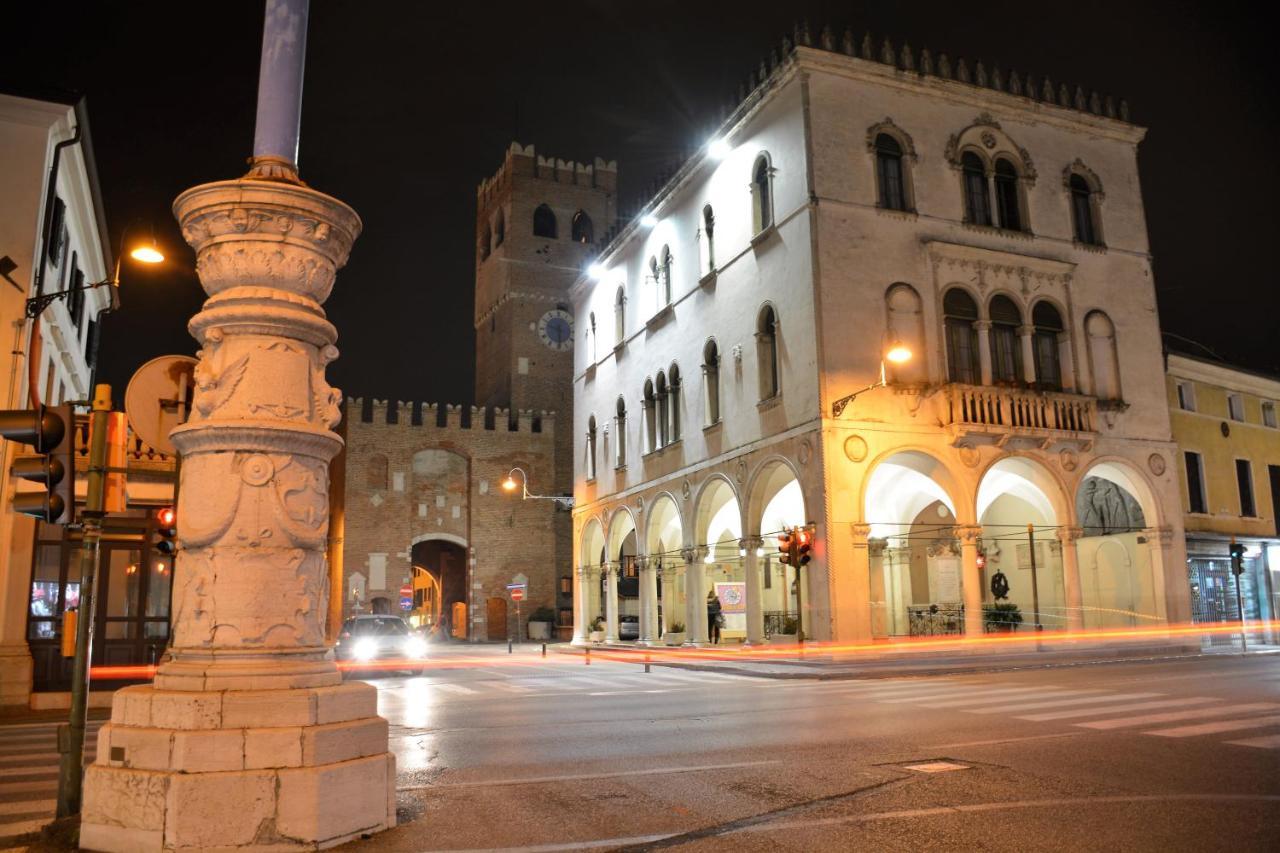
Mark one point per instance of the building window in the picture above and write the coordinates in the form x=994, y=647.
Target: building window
x=581, y=228
x=650, y=405
x=499, y=229
x=1084, y=222
x=620, y=434
x=662, y=397
x=376, y=473
x=767, y=352
x=1006, y=349
x=544, y=222
x=709, y=235
x=1046, y=345
x=960, y=313
x=1008, y=204
x=1244, y=482
x=591, y=447
x=1186, y=397
x=591, y=339
x=57, y=232
x=977, y=203
x=1103, y=356
x=620, y=315
x=1195, y=482
x=663, y=276
x=711, y=383
x=75, y=299
x=673, y=405
x=1269, y=414
x=1235, y=407
x=762, y=194
x=892, y=190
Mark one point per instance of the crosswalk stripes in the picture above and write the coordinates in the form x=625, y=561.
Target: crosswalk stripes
x=29, y=775
x=1115, y=709
x=1265, y=742
x=1219, y=727
x=1175, y=716
x=1058, y=703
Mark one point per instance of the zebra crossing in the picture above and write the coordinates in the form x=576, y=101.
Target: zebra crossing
x=605, y=683
x=1149, y=712
x=29, y=775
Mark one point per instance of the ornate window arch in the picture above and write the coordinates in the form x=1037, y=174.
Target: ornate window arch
x=893, y=151
x=1085, y=196
x=761, y=193
x=960, y=318
x=1006, y=346
x=986, y=142
x=1047, y=344
x=767, y=352
x=711, y=382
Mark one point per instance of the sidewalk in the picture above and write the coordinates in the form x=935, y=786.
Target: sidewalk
x=819, y=663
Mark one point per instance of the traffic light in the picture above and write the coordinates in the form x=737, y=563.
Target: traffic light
x=785, y=543
x=50, y=432
x=1237, y=558
x=804, y=545
x=166, y=541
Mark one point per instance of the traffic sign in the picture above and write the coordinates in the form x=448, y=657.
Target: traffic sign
x=406, y=591
x=517, y=594
x=517, y=586
x=406, y=604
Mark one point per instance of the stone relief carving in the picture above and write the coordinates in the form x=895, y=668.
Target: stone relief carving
x=887, y=125
x=855, y=447
x=1157, y=464
x=1104, y=508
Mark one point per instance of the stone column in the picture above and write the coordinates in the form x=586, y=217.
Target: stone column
x=611, y=603
x=581, y=604
x=971, y=579
x=1025, y=337
x=650, y=630
x=984, y=350
x=755, y=590
x=695, y=584
x=1066, y=363
x=670, y=615
x=1071, y=577
x=248, y=738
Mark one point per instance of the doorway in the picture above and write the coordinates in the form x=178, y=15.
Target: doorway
x=495, y=613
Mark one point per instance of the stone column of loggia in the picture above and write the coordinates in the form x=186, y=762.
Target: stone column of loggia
x=249, y=739
x=1026, y=335
x=611, y=603
x=971, y=580
x=581, y=604
x=1071, y=576
x=643, y=636
x=695, y=585
x=649, y=596
x=669, y=614
x=984, y=351
x=755, y=589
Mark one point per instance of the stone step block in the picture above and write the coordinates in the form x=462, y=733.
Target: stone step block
x=264, y=709
x=336, y=802
x=205, y=810
x=353, y=700
x=343, y=741
x=280, y=747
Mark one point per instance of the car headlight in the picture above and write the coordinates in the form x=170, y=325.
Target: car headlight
x=365, y=650
x=414, y=647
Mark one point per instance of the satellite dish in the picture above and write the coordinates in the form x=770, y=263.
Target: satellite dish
x=159, y=398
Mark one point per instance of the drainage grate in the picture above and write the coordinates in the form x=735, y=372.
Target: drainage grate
x=935, y=767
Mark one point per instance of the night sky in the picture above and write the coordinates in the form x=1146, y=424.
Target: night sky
x=407, y=106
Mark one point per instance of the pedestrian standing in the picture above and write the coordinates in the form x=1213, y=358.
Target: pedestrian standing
x=715, y=618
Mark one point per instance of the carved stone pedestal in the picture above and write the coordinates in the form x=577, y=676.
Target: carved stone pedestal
x=249, y=739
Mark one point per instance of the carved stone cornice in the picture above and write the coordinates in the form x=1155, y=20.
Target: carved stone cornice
x=1067, y=535
x=860, y=533
x=693, y=554
x=969, y=534
x=750, y=543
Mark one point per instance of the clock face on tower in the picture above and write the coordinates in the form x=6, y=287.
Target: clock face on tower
x=555, y=329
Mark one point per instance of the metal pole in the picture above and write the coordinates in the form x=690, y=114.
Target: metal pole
x=71, y=737
x=646, y=661
x=1244, y=640
x=1035, y=584
x=284, y=48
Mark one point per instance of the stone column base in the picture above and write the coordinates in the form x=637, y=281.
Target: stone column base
x=243, y=770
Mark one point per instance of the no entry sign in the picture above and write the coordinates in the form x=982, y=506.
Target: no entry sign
x=517, y=594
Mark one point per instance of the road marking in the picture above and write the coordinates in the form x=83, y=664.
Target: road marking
x=1087, y=700
x=503, y=685
x=577, y=777
x=454, y=688
x=1173, y=716
x=25, y=806
x=942, y=746
x=1218, y=727
x=22, y=828
x=991, y=699
x=37, y=769
x=965, y=695
x=1136, y=706
x=1268, y=742
x=26, y=787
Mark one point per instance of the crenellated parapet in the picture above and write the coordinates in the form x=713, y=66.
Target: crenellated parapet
x=523, y=161
x=414, y=415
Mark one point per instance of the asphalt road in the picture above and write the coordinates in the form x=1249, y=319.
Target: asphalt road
x=528, y=754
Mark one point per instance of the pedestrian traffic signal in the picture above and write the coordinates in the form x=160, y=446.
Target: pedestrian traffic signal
x=166, y=541
x=785, y=544
x=50, y=432
x=1237, y=558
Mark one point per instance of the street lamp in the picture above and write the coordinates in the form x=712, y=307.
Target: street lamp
x=510, y=485
x=898, y=353
x=146, y=253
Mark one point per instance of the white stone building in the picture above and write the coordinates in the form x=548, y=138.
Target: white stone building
x=854, y=201
x=53, y=234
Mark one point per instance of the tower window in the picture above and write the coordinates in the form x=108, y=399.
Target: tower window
x=544, y=222
x=892, y=189
x=581, y=228
x=499, y=229
x=1083, y=215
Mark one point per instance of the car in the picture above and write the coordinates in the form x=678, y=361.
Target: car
x=628, y=627
x=372, y=638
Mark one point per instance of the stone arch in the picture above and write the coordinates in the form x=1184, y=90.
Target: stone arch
x=1128, y=477
x=664, y=528
x=591, y=545
x=715, y=494
x=772, y=478
x=1033, y=472
x=444, y=537
x=621, y=524
x=951, y=488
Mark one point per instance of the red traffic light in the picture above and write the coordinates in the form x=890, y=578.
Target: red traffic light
x=167, y=517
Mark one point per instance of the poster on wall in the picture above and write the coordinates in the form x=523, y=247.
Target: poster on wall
x=944, y=579
x=733, y=604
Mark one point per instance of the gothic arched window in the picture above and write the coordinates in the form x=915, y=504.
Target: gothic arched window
x=767, y=352
x=960, y=313
x=544, y=222
x=650, y=404
x=591, y=447
x=1008, y=201
x=762, y=193
x=711, y=383
x=977, y=202
x=1047, y=345
x=1006, y=349
x=620, y=315
x=620, y=434
x=673, y=405
x=709, y=239
x=1084, y=215
x=662, y=416
x=581, y=228
x=889, y=173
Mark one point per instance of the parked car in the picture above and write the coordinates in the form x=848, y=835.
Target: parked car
x=369, y=639
x=628, y=627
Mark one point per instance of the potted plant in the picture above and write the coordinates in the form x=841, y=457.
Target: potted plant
x=789, y=632
x=541, y=622
x=596, y=634
x=1001, y=616
x=675, y=636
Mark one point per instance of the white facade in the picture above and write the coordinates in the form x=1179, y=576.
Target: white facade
x=74, y=253
x=918, y=491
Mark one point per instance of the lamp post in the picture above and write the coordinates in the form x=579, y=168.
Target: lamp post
x=898, y=353
x=510, y=485
x=146, y=253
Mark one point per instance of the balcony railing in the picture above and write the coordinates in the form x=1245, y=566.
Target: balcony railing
x=139, y=455
x=1000, y=411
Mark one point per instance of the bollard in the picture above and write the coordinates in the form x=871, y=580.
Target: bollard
x=508, y=646
x=646, y=661
x=544, y=650
x=588, y=656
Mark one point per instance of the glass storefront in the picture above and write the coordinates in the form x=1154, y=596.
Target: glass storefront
x=1214, y=589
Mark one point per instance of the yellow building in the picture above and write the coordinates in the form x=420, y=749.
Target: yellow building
x=1225, y=424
